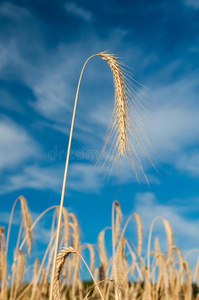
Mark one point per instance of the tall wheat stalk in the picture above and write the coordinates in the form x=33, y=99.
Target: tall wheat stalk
x=121, y=131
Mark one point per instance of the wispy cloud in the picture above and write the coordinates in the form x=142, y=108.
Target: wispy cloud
x=17, y=146
x=189, y=163
x=13, y=11
x=78, y=11
x=5, y=217
x=42, y=234
x=192, y=3
x=82, y=178
x=32, y=177
x=172, y=127
x=184, y=228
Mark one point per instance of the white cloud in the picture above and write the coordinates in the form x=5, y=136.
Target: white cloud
x=51, y=83
x=13, y=11
x=34, y=177
x=81, y=177
x=16, y=145
x=9, y=56
x=172, y=122
x=5, y=217
x=192, y=3
x=184, y=229
x=172, y=127
x=51, y=88
x=78, y=11
x=189, y=163
x=42, y=234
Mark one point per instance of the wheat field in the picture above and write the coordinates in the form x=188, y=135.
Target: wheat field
x=127, y=274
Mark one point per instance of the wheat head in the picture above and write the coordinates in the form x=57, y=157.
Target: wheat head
x=127, y=131
x=27, y=222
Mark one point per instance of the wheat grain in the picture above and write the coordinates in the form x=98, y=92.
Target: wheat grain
x=19, y=272
x=102, y=251
x=66, y=227
x=118, y=221
x=120, y=102
x=188, y=287
x=2, y=257
x=139, y=233
x=27, y=222
x=36, y=268
x=119, y=262
x=169, y=233
x=126, y=131
x=61, y=257
x=76, y=259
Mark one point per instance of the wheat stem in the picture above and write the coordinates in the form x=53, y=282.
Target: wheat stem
x=64, y=180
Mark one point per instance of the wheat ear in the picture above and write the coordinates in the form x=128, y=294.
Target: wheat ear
x=120, y=102
x=102, y=251
x=3, y=265
x=119, y=262
x=27, y=222
x=2, y=242
x=139, y=231
x=19, y=272
x=61, y=257
x=66, y=227
x=35, y=269
x=63, y=254
x=126, y=131
x=117, y=221
x=188, y=286
x=169, y=233
x=76, y=259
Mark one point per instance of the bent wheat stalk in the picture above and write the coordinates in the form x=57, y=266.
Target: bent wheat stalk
x=60, y=260
x=123, y=131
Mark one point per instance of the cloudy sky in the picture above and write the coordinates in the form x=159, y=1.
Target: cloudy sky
x=43, y=47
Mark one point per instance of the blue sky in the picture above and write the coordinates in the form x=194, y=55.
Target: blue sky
x=43, y=47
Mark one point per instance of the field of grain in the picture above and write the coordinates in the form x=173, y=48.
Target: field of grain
x=128, y=274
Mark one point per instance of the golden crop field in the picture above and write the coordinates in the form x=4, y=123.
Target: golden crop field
x=161, y=274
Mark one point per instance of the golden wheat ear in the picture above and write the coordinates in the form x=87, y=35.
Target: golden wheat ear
x=126, y=136
x=60, y=260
